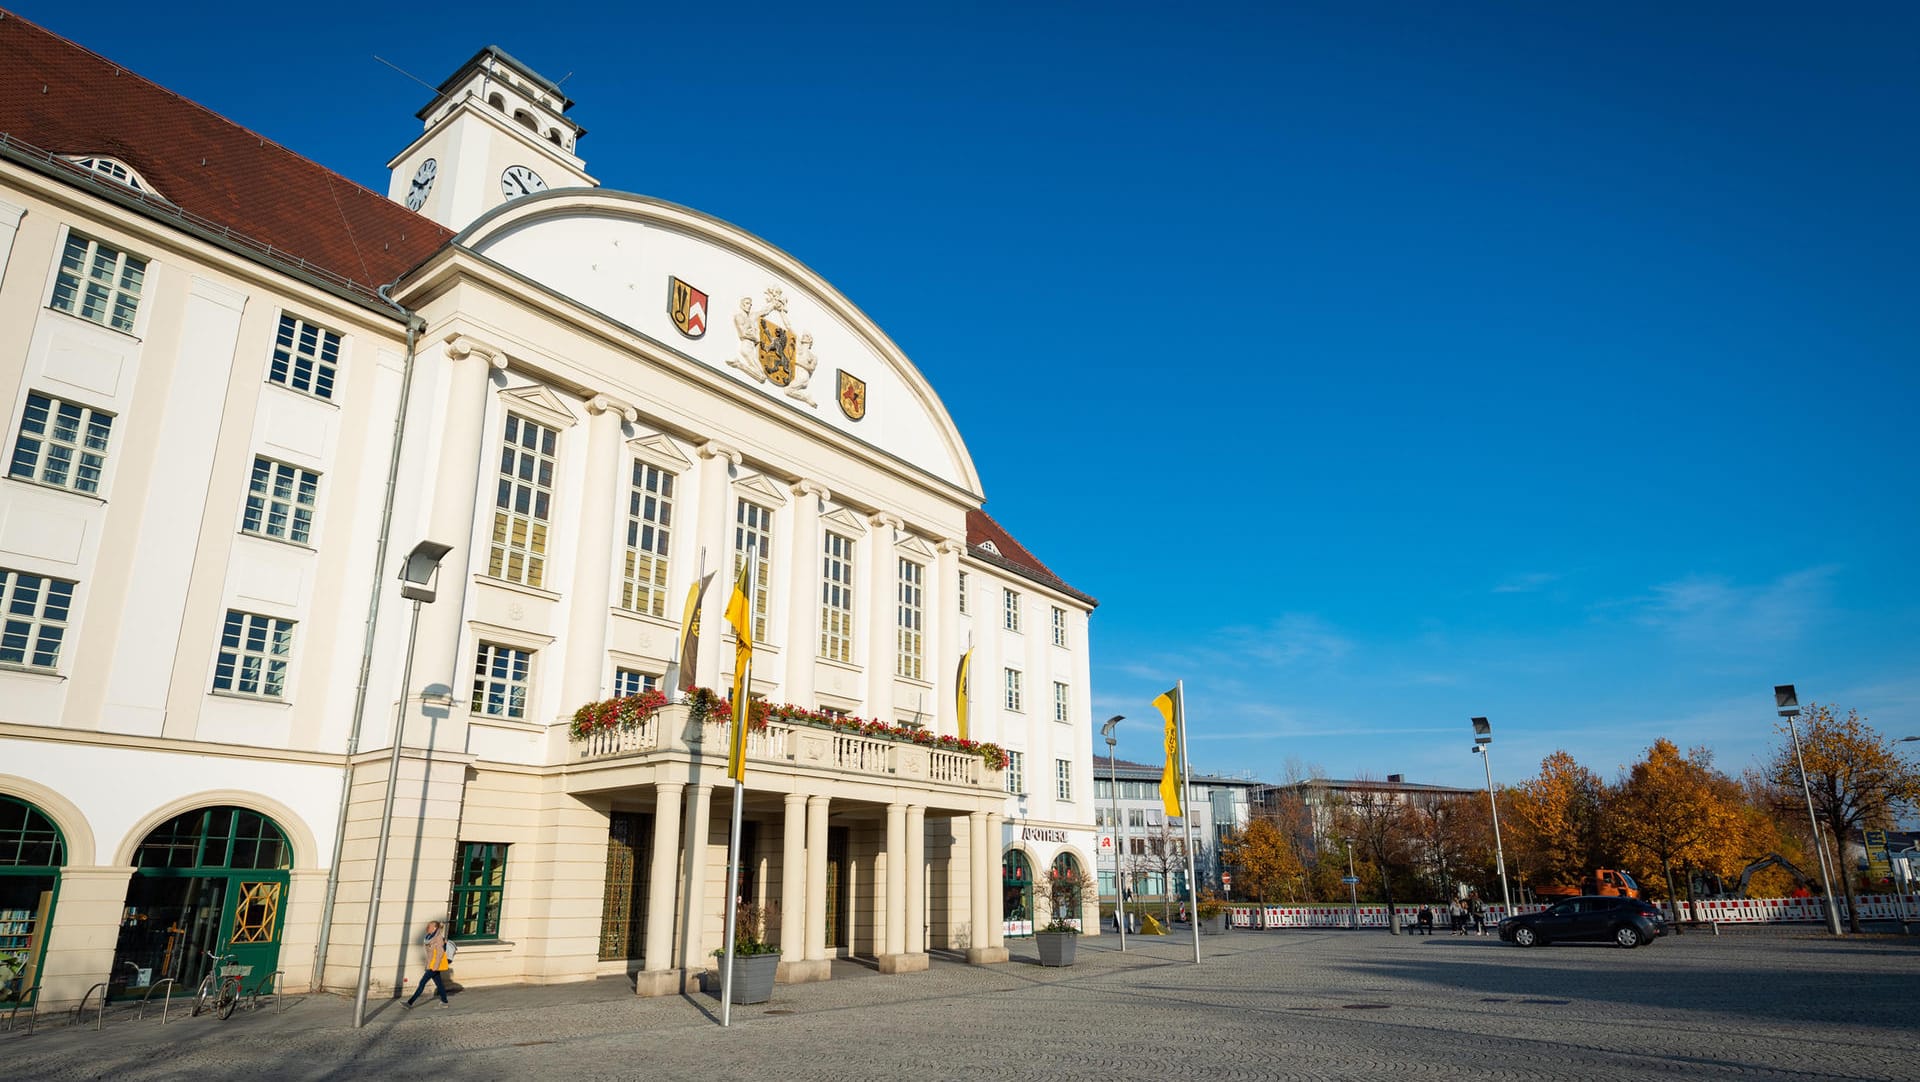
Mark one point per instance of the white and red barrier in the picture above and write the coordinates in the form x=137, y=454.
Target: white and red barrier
x=1723, y=911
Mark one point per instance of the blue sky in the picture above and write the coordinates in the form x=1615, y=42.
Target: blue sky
x=1375, y=365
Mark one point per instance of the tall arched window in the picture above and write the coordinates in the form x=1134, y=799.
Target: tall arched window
x=31, y=853
x=1016, y=889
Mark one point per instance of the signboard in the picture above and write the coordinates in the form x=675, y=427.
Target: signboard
x=1106, y=843
x=1879, y=864
x=1226, y=880
x=1350, y=880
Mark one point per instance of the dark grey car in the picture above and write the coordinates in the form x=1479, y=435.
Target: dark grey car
x=1626, y=921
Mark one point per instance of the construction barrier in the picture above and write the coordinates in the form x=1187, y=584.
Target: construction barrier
x=1720, y=911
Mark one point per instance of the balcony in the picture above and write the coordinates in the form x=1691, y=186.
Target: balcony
x=783, y=746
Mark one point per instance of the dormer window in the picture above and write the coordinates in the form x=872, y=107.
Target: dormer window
x=112, y=169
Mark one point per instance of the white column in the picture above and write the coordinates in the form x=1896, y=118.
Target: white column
x=916, y=874
x=693, y=945
x=591, y=589
x=456, y=479
x=793, y=879
x=998, y=928
x=663, y=874
x=816, y=935
x=896, y=878
x=943, y=608
x=883, y=588
x=717, y=461
x=982, y=914
x=803, y=598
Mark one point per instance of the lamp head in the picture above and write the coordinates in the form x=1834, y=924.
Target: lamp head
x=1785, y=700
x=418, y=573
x=1111, y=724
x=1482, y=731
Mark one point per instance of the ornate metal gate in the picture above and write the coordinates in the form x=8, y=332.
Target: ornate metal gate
x=623, y=915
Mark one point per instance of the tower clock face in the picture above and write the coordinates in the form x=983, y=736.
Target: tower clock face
x=518, y=180
x=422, y=184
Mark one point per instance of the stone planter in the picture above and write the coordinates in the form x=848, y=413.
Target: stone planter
x=752, y=977
x=1056, y=948
x=1214, y=925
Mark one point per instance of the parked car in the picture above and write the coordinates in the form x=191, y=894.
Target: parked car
x=1626, y=921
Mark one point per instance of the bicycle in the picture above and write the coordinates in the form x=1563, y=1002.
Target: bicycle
x=219, y=993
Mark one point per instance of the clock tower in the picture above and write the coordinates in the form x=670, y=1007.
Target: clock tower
x=495, y=131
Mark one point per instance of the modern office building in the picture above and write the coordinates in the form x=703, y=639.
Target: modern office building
x=1148, y=846
x=244, y=390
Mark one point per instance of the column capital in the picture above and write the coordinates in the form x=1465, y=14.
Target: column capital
x=716, y=449
x=600, y=403
x=950, y=547
x=461, y=346
x=882, y=519
x=807, y=486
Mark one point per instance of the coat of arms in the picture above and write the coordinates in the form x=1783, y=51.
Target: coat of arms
x=852, y=394
x=688, y=307
x=771, y=351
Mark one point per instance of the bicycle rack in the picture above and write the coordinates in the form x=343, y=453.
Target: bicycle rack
x=33, y=1012
x=165, y=1001
x=279, y=997
x=80, y=1010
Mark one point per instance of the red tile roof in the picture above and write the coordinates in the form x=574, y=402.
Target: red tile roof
x=982, y=530
x=62, y=99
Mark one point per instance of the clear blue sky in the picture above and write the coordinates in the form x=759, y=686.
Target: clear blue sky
x=1375, y=365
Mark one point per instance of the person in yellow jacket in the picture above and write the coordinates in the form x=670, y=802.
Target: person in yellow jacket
x=439, y=960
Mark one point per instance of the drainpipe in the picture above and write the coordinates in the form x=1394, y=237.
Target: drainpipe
x=414, y=325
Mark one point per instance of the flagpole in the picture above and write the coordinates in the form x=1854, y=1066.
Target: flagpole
x=733, y=876
x=1186, y=821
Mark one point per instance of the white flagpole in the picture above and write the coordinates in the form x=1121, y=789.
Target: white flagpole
x=733, y=867
x=1186, y=820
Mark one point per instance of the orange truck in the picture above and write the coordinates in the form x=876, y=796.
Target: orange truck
x=1608, y=881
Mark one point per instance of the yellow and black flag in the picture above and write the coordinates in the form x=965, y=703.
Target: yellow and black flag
x=960, y=691
x=740, y=615
x=1170, y=706
x=690, y=632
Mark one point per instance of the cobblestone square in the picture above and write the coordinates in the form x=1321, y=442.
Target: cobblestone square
x=1780, y=1003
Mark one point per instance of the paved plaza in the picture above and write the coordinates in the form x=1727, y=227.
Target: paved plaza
x=1783, y=1003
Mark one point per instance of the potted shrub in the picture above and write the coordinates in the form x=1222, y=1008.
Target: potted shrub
x=1065, y=893
x=755, y=961
x=1212, y=913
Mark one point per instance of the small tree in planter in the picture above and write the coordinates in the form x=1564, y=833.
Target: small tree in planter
x=1212, y=913
x=755, y=961
x=1065, y=895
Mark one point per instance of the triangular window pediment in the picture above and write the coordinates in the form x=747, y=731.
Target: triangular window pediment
x=541, y=404
x=841, y=520
x=762, y=486
x=659, y=450
x=917, y=546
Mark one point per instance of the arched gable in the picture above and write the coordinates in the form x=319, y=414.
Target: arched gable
x=693, y=283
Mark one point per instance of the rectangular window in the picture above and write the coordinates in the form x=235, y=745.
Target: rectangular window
x=649, y=522
x=61, y=444
x=479, y=886
x=911, y=637
x=1059, y=701
x=523, y=503
x=1059, y=626
x=254, y=653
x=753, y=538
x=632, y=682
x=501, y=678
x=1016, y=772
x=836, y=599
x=1137, y=818
x=305, y=357
x=961, y=593
x=36, y=609
x=99, y=283
x=280, y=501
x=1010, y=601
x=1013, y=690
x=1063, y=779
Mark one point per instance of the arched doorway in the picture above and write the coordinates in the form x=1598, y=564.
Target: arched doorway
x=1016, y=890
x=209, y=880
x=32, y=851
x=1067, y=865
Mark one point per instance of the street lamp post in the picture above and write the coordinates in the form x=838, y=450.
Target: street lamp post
x=1482, y=740
x=417, y=578
x=1788, y=704
x=1119, y=839
x=1353, y=887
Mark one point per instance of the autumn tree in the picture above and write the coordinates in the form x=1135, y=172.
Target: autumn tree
x=1377, y=820
x=1558, y=831
x=1163, y=852
x=1856, y=779
x=1264, y=864
x=1673, y=809
x=1452, y=837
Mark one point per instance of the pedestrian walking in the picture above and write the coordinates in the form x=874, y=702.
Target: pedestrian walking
x=1478, y=911
x=439, y=960
x=1457, y=917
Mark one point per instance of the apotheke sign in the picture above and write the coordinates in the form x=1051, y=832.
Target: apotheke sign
x=1042, y=834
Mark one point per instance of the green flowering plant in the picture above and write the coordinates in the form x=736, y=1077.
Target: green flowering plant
x=625, y=713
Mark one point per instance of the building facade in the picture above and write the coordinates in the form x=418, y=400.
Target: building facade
x=1145, y=846
x=243, y=389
